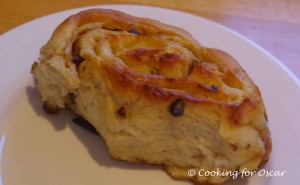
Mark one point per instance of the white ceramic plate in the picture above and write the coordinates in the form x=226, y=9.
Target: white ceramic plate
x=41, y=149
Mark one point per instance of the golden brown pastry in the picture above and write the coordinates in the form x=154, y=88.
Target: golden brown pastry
x=155, y=94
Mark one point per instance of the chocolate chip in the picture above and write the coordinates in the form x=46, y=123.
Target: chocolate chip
x=122, y=112
x=248, y=146
x=131, y=30
x=50, y=109
x=72, y=97
x=85, y=124
x=154, y=71
x=233, y=147
x=177, y=108
x=77, y=59
x=190, y=69
x=214, y=87
x=117, y=29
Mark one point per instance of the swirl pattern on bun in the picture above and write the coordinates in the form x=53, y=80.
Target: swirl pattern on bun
x=155, y=94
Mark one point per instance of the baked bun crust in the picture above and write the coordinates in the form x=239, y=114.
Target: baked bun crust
x=155, y=94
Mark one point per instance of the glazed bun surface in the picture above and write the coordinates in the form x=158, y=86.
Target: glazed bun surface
x=155, y=94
